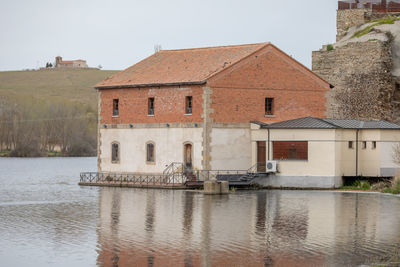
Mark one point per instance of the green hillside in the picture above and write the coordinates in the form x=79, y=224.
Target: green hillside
x=53, y=84
x=51, y=111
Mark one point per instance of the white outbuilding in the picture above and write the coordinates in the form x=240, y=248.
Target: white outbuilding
x=317, y=153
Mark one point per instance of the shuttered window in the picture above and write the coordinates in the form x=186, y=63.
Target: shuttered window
x=114, y=152
x=290, y=150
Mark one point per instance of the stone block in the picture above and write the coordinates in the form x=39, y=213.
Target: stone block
x=216, y=187
x=211, y=187
x=224, y=187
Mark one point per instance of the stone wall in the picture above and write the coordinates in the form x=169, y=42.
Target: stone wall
x=361, y=74
x=349, y=18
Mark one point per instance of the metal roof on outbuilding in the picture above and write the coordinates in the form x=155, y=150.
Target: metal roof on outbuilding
x=318, y=123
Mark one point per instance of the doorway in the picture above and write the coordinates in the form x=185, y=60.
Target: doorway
x=261, y=156
x=188, y=161
x=188, y=156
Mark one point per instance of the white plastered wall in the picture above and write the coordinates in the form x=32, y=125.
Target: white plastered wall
x=389, y=139
x=369, y=158
x=230, y=149
x=370, y=161
x=345, y=157
x=169, y=144
x=321, y=152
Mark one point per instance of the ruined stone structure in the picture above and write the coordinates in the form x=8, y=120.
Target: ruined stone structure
x=363, y=65
x=71, y=64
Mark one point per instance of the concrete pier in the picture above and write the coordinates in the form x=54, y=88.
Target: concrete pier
x=216, y=187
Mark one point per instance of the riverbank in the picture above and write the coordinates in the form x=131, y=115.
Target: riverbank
x=392, y=187
x=8, y=154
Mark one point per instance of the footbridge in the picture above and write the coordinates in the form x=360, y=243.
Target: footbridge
x=175, y=176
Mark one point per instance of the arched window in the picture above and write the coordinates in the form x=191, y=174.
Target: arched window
x=150, y=152
x=115, y=151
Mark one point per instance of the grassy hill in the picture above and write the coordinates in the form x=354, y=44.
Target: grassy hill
x=49, y=111
x=74, y=85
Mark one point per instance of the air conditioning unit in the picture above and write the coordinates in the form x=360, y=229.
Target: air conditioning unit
x=271, y=166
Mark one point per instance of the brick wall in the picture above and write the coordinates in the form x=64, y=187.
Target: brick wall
x=169, y=105
x=239, y=93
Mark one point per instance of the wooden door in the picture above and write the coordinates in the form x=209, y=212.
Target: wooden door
x=188, y=156
x=261, y=156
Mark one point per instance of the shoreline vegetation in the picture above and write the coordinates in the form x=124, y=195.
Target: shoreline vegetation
x=48, y=154
x=388, y=187
x=35, y=128
x=49, y=112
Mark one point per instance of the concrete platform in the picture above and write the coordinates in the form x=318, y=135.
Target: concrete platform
x=135, y=185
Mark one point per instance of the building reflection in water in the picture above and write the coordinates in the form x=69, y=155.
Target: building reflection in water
x=187, y=228
x=260, y=228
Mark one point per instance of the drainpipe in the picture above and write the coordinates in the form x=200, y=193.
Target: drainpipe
x=357, y=152
x=268, y=144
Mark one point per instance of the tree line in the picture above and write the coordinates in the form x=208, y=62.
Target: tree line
x=30, y=128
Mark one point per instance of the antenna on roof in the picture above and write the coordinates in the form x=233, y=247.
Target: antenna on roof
x=157, y=48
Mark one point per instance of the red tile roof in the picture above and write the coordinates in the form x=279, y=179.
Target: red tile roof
x=183, y=66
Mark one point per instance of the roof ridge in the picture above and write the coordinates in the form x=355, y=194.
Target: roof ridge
x=308, y=117
x=325, y=120
x=264, y=45
x=213, y=47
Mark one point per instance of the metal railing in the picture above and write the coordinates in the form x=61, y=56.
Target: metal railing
x=130, y=178
x=204, y=175
x=259, y=167
x=174, y=174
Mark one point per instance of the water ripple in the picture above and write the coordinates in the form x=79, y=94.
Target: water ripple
x=47, y=220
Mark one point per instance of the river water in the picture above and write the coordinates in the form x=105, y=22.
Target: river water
x=46, y=219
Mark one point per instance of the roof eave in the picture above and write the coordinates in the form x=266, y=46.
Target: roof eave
x=149, y=85
x=322, y=128
x=298, y=128
x=260, y=123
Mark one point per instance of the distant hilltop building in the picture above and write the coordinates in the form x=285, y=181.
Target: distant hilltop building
x=73, y=64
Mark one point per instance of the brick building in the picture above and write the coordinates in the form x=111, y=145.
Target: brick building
x=195, y=106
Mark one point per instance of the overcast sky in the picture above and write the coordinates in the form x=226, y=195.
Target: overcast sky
x=119, y=33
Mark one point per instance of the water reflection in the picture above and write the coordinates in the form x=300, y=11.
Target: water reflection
x=262, y=228
x=47, y=220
